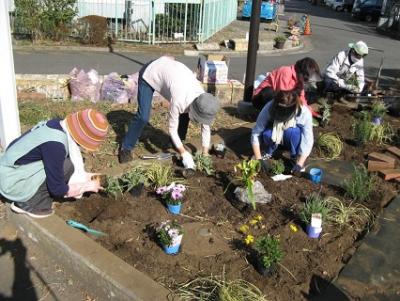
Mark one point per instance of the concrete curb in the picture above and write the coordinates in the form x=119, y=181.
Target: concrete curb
x=303, y=48
x=103, y=273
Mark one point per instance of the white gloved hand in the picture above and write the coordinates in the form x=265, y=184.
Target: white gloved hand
x=352, y=88
x=341, y=83
x=187, y=161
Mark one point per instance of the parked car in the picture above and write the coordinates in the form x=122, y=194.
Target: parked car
x=368, y=10
x=338, y=5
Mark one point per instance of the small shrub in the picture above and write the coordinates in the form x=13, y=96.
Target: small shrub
x=269, y=249
x=277, y=167
x=330, y=146
x=361, y=184
x=204, y=163
x=363, y=128
x=249, y=170
x=159, y=175
x=353, y=215
x=314, y=204
x=279, y=39
x=114, y=186
x=378, y=109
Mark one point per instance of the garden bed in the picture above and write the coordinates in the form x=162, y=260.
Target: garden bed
x=129, y=222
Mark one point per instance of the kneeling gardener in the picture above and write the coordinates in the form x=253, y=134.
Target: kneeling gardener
x=188, y=101
x=46, y=162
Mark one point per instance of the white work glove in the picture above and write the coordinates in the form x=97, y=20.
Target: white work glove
x=352, y=88
x=341, y=83
x=187, y=161
x=77, y=189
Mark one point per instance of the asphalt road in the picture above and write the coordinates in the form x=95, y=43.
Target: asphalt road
x=332, y=31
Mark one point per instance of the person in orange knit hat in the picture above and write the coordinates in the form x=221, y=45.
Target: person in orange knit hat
x=46, y=162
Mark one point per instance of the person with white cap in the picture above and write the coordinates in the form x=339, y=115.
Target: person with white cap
x=46, y=162
x=345, y=73
x=188, y=101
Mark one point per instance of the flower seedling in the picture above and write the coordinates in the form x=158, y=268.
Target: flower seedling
x=133, y=178
x=249, y=170
x=277, y=167
x=378, y=109
x=204, y=163
x=269, y=250
x=114, y=186
x=170, y=234
x=172, y=194
x=314, y=204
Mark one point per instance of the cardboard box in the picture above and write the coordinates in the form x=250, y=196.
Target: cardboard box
x=213, y=69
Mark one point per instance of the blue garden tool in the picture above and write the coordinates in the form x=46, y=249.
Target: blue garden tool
x=77, y=225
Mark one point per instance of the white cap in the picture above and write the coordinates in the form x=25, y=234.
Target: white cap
x=360, y=47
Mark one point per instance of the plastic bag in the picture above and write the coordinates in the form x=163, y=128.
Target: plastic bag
x=119, y=89
x=84, y=86
x=261, y=196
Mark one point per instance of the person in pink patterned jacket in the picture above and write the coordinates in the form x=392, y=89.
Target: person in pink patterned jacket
x=287, y=78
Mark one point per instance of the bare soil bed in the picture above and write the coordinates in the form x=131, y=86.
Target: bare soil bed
x=129, y=221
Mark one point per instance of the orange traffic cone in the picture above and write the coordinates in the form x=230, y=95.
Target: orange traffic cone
x=307, y=27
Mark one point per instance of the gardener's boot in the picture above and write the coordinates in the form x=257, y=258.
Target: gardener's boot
x=124, y=156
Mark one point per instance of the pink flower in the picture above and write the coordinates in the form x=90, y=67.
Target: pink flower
x=176, y=195
x=181, y=187
x=161, y=190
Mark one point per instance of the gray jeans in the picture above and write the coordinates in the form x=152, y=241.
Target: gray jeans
x=42, y=198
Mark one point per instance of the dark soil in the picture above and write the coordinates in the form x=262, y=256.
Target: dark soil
x=129, y=223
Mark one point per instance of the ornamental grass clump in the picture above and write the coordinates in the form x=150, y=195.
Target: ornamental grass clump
x=172, y=194
x=363, y=128
x=351, y=215
x=217, y=288
x=248, y=172
x=361, y=184
x=277, y=167
x=204, y=163
x=159, y=175
x=378, y=109
x=329, y=146
x=268, y=250
x=314, y=204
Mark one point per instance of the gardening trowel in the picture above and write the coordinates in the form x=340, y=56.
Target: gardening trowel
x=159, y=156
x=80, y=226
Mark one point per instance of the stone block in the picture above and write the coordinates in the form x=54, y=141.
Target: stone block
x=207, y=46
x=389, y=174
x=229, y=93
x=239, y=44
x=266, y=45
x=382, y=157
x=394, y=150
x=379, y=165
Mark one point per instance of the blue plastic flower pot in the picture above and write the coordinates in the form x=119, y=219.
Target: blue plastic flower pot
x=315, y=175
x=377, y=120
x=174, y=209
x=313, y=232
x=171, y=250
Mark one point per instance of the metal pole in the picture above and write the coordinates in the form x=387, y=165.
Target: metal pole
x=252, y=50
x=9, y=116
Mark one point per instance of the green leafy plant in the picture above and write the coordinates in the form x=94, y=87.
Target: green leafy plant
x=169, y=232
x=378, y=109
x=159, y=175
x=217, y=288
x=382, y=133
x=280, y=38
x=114, y=186
x=204, y=163
x=353, y=81
x=134, y=177
x=329, y=145
x=269, y=250
x=314, y=204
x=325, y=111
x=30, y=113
x=363, y=128
x=249, y=170
x=277, y=167
x=361, y=184
x=352, y=215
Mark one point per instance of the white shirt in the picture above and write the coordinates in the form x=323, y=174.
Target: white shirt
x=303, y=120
x=178, y=84
x=340, y=70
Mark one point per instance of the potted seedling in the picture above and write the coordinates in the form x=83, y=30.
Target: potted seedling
x=313, y=213
x=277, y=167
x=114, y=187
x=204, y=163
x=378, y=110
x=279, y=41
x=170, y=235
x=268, y=254
x=134, y=181
x=249, y=170
x=172, y=195
x=219, y=150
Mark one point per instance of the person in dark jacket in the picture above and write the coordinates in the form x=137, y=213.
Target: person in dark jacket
x=46, y=162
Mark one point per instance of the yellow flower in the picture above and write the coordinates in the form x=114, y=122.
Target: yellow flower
x=253, y=222
x=293, y=228
x=249, y=239
x=244, y=229
x=259, y=218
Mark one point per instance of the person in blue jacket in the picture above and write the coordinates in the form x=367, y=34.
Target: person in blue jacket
x=287, y=123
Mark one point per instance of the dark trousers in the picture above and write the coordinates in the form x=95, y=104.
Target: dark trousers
x=42, y=198
x=291, y=141
x=262, y=98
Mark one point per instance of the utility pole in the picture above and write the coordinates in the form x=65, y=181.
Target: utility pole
x=252, y=50
x=9, y=117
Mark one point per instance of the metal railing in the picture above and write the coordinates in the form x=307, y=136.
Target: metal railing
x=162, y=21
